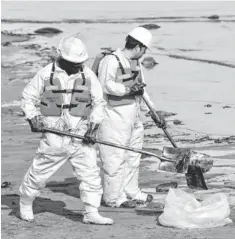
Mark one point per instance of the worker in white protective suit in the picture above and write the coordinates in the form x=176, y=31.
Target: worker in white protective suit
x=123, y=85
x=71, y=99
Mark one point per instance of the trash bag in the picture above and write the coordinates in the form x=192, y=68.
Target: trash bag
x=182, y=210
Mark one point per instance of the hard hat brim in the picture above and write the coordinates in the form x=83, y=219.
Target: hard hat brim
x=74, y=60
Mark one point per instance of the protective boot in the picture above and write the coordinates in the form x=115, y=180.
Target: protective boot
x=96, y=218
x=26, y=208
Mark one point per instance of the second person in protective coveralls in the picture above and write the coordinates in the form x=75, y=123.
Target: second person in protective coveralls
x=122, y=81
x=70, y=99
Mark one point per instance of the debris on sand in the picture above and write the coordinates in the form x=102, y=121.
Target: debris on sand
x=165, y=114
x=6, y=43
x=228, y=140
x=32, y=46
x=152, y=208
x=220, y=63
x=188, y=50
x=8, y=37
x=208, y=105
x=164, y=187
x=199, y=140
x=226, y=107
x=5, y=184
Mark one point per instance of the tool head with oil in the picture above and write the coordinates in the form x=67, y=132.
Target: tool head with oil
x=183, y=159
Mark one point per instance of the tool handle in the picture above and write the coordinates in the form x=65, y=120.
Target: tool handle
x=157, y=120
x=45, y=129
x=170, y=138
x=156, y=117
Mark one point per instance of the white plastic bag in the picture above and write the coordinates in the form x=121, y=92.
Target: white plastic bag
x=182, y=210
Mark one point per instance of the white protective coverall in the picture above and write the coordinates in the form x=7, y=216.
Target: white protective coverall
x=121, y=125
x=54, y=150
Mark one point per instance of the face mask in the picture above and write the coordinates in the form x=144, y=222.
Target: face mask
x=69, y=67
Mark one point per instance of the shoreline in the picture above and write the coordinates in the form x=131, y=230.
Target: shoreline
x=58, y=211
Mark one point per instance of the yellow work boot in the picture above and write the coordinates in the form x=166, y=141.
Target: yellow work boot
x=96, y=218
x=26, y=208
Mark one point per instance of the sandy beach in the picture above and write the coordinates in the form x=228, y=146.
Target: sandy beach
x=199, y=92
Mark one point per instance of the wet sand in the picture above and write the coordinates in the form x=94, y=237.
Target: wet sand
x=58, y=210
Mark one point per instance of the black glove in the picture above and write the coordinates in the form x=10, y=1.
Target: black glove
x=136, y=89
x=160, y=121
x=90, y=134
x=36, y=124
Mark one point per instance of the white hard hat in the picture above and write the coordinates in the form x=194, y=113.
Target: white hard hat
x=72, y=49
x=142, y=35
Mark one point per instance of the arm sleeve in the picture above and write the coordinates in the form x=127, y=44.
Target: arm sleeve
x=107, y=75
x=31, y=96
x=98, y=102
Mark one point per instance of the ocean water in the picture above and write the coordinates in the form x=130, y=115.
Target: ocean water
x=59, y=10
x=184, y=25
x=196, y=55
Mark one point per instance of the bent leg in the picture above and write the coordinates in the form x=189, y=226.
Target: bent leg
x=46, y=162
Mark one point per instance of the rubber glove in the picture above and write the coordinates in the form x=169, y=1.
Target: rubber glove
x=90, y=134
x=160, y=121
x=36, y=124
x=136, y=89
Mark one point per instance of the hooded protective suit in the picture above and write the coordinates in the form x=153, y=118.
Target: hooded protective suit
x=54, y=150
x=121, y=125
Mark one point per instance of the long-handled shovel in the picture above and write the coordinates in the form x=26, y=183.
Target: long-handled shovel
x=183, y=157
x=54, y=131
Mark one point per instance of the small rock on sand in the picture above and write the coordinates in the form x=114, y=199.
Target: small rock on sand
x=177, y=122
x=150, y=26
x=214, y=17
x=48, y=31
x=149, y=62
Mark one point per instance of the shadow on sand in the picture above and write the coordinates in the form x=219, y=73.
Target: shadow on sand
x=40, y=205
x=70, y=187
